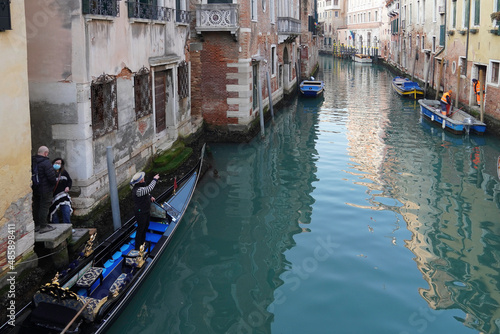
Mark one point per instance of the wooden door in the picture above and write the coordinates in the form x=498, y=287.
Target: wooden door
x=160, y=100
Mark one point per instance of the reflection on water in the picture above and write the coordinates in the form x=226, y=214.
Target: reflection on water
x=308, y=229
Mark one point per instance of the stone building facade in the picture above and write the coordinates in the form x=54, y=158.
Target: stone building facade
x=108, y=73
x=17, y=234
x=235, y=47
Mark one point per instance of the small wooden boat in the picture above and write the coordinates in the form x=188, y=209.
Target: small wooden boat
x=459, y=122
x=89, y=294
x=312, y=87
x=406, y=87
x=361, y=58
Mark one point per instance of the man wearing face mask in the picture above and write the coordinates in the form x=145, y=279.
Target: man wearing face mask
x=62, y=200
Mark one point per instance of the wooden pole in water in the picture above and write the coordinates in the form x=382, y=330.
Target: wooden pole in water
x=261, y=110
x=459, y=71
x=438, y=86
x=270, y=93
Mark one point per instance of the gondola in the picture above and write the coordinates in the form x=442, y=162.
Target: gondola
x=88, y=295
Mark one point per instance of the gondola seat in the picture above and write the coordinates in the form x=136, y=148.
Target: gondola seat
x=72, y=302
x=118, y=285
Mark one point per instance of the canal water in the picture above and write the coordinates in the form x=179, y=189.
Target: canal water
x=351, y=215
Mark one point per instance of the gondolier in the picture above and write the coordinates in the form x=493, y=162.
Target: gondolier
x=142, y=199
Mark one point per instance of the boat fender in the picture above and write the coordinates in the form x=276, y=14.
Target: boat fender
x=432, y=118
x=444, y=123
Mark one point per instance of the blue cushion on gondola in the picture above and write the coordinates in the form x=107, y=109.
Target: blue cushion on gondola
x=158, y=227
x=117, y=255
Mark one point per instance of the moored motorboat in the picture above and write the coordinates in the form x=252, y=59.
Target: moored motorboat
x=361, y=58
x=312, y=87
x=91, y=292
x=458, y=122
x=406, y=87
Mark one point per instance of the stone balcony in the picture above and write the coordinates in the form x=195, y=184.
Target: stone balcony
x=288, y=28
x=218, y=17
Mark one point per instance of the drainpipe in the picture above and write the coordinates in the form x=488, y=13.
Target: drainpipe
x=467, y=42
x=440, y=51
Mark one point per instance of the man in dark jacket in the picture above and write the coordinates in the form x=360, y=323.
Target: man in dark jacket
x=141, y=195
x=42, y=194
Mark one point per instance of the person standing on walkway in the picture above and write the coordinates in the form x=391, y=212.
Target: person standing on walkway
x=42, y=193
x=61, y=200
x=141, y=195
x=446, y=103
x=477, y=90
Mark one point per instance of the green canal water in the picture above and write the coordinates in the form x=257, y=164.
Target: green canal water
x=351, y=215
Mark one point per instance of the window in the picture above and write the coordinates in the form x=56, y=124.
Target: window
x=376, y=16
x=476, y=7
x=463, y=64
x=494, y=70
x=273, y=60
x=465, y=14
x=433, y=43
x=142, y=93
x=418, y=12
x=181, y=14
x=434, y=11
x=183, y=80
x=336, y=13
x=497, y=9
x=254, y=10
x=410, y=14
x=454, y=14
x=5, y=23
x=101, y=7
x=271, y=10
x=103, y=105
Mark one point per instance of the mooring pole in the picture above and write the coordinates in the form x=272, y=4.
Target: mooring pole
x=261, y=111
x=270, y=92
x=113, y=190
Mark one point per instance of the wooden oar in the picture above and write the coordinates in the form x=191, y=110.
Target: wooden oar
x=75, y=317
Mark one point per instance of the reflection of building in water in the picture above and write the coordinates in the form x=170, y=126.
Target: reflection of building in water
x=264, y=188
x=366, y=124
x=452, y=213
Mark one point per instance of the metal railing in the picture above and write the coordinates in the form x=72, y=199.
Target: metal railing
x=182, y=16
x=140, y=10
x=101, y=7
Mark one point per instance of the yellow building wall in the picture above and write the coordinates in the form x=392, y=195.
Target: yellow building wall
x=15, y=140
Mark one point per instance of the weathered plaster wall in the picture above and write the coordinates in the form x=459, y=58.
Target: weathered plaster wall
x=15, y=155
x=67, y=51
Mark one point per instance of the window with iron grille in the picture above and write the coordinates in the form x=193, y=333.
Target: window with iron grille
x=101, y=7
x=5, y=23
x=183, y=80
x=142, y=93
x=103, y=103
